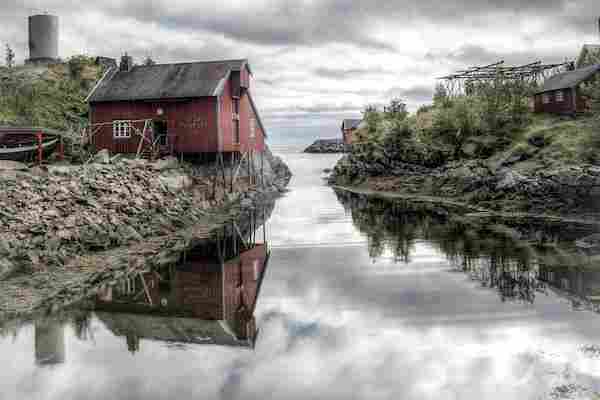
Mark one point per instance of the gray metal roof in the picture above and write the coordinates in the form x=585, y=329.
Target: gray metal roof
x=351, y=123
x=165, y=81
x=569, y=79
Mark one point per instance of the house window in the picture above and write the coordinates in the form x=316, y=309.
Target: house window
x=121, y=129
x=560, y=96
x=252, y=128
x=545, y=98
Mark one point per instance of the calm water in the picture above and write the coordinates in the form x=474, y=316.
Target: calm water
x=358, y=299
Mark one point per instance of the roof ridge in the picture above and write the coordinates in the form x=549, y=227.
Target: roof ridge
x=193, y=62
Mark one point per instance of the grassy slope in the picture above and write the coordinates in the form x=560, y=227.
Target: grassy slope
x=52, y=97
x=566, y=141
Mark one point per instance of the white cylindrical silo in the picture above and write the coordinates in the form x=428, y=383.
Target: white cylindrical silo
x=43, y=38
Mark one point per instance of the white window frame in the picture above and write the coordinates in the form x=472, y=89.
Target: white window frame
x=252, y=128
x=545, y=98
x=559, y=96
x=121, y=129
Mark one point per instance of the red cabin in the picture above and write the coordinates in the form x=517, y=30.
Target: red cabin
x=562, y=93
x=348, y=128
x=187, y=108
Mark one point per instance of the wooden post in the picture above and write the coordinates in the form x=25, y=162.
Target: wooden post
x=61, y=149
x=262, y=169
x=222, y=167
x=264, y=221
x=231, y=165
x=40, y=138
x=249, y=159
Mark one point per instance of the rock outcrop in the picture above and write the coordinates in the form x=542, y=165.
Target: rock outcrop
x=49, y=215
x=565, y=189
x=327, y=146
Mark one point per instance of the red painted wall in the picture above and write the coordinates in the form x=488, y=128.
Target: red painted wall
x=245, y=113
x=192, y=125
x=348, y=135
x=199, y=289
x=241, y=282
x=564, y=107
x=226, y=119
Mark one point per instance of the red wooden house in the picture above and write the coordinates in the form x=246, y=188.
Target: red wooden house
x=348, y=128
x=563, y=94
x=187, y=108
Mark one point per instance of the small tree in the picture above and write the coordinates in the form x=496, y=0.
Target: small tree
x=396, y=110
x=10, y=57
x=149, y=61
x=591, y=146
x=440, y=96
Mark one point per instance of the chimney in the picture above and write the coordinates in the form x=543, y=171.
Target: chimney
x=126, y=63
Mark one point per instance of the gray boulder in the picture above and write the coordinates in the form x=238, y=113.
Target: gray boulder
x=165, y=164
x=102, y=157
x=176, y=182
x=6, y=268
x=7, y=165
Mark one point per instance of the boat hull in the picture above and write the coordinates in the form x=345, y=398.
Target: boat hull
x=27, y=153
x=21, y=144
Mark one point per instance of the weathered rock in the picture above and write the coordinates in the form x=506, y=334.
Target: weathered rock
x=327, y=146
x=102, y=157
x=7, y=165
x=176, y=183
x=62, y=169
x=6, y=268
x=165, y=164
x=508, y=179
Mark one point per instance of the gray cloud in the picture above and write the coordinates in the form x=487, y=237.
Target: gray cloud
x=280, y=23
x=289, y=42
x=470, y=55
x=351, y=73
x=414, y=94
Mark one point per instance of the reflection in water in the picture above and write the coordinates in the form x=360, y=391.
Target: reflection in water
x=518, y=260
x=208, y=297
x=49, y=342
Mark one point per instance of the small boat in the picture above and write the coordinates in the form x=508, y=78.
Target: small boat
x=22, y=144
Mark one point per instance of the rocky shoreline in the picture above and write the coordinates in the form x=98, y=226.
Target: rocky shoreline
x=66, y=228
x=327, y=146
x=506, y=185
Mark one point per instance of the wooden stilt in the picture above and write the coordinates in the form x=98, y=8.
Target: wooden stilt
x=231, y=165
x=262, y=169
x=40, y=139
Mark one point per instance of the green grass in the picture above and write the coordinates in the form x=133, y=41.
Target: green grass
x=565, y=141
x=53, y=96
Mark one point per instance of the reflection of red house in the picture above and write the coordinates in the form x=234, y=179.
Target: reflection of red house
x=348, y=128
x=205, y=287
x=187, y=108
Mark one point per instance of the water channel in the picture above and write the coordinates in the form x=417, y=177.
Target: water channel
x=336, y=296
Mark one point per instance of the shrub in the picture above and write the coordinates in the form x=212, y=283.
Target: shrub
x=591, y=145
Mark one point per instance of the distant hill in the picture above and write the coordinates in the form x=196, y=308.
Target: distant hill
x=49, y=96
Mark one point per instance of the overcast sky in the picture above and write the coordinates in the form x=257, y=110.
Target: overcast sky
x=318, y=61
